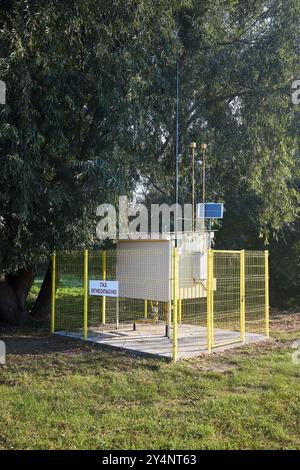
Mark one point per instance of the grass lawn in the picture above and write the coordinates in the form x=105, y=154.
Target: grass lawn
x=57, y=393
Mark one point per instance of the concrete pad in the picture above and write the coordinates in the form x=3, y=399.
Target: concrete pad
x=149, y=339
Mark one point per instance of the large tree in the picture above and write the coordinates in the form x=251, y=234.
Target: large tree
x=237, y=62
x=75, y=75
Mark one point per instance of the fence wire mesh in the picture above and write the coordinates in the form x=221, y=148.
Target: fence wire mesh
x=191, y=295
x=255, y=290
x=226, y=299
x=145, y=298
x=144, y=281
x=69, y=291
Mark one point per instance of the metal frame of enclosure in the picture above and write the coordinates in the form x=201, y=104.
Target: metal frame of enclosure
x=175, y=303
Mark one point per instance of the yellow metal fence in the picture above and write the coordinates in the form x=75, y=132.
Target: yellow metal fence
x=226, y=304
x=237, y=299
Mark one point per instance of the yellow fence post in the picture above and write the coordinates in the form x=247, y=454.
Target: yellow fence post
x=145, y=309
x=208, y=299
x=53, y=292
x=85, y=294
x=212, y=299
x=267, y=301
x=104, y=279
x=175, y=300
x=242, y=296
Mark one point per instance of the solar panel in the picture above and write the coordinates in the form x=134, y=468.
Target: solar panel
x=210, y=210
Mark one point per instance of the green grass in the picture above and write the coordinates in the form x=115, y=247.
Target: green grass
x=57, y=393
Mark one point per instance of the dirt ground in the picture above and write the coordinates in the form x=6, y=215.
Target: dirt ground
x=36, y=341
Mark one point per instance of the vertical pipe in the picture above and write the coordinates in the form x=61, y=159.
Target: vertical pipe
x=192, y=147
x=166, y=318
x=117, y=314
x=145, y=309
x=193, y=190
x=170, y=296
x=85, y=294
x=204, y=173
x=103, y=278
x=267, y=301
x=208, y=299
x=53, y=292
x=203, y=148
x=175, y=300
x=179, y=312
x=169, y=319
x=166, y=311
x=242, y=297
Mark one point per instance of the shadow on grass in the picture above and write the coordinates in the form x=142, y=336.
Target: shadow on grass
x=34, y=341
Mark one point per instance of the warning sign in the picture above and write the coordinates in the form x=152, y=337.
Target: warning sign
x=104, y=288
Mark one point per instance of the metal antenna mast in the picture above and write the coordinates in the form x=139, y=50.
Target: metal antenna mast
x=177, y=141
x=204, y=148
x=193, y=146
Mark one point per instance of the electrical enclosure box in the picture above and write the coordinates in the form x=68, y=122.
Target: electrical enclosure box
x=144, y=267
x=200, y=266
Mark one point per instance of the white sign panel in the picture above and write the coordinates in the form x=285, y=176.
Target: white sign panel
x=104, y=288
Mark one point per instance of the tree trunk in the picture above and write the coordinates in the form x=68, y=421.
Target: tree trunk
x=42, y=306
x=10, y=310
x=21, y=283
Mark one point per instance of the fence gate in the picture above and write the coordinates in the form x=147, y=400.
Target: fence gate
x=238, y=297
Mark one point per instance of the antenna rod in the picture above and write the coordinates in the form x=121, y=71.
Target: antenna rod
x=203, y=148
x=177, y=147
x=193, y=146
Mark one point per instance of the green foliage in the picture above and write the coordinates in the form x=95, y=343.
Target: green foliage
x=237, y=60
x=75, y=75
x=285, y=268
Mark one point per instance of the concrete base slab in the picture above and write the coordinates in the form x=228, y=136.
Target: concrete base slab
x=149, y=339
